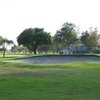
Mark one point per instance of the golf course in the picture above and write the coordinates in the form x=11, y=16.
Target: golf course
x=68, y=81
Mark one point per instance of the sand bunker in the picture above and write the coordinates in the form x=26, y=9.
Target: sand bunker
x=59, y=59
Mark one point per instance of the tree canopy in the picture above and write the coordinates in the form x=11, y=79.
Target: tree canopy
x=90, y=39
x=36, y=39
x=33, y=37
x=66, y=36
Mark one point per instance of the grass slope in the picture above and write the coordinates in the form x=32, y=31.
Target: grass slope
x=74, y=81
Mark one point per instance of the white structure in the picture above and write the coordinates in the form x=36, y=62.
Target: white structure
x=65, y=51
x=79, y=48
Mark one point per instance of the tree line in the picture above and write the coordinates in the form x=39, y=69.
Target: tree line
x=36, y=39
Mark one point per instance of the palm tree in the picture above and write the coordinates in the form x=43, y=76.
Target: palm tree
x=4, y=42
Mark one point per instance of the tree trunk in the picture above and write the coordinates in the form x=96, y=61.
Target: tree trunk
x=4, y=53
x=35, y=47
x=46, y=52
x=35, y=51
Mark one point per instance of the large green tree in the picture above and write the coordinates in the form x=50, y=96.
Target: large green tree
x=66, y=36
x=57, y=42
x=34, y=37
x=90, y=39
x=85, y=37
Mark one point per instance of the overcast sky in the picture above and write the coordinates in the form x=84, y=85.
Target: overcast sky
x=16, y=15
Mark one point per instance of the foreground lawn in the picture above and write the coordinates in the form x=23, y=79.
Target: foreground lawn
x=75, y=81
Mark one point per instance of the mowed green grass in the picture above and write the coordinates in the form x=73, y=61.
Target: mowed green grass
x=16, y=56
x=12, y=57
x=74, y=81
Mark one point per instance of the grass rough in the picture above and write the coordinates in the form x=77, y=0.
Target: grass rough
x=74, y=81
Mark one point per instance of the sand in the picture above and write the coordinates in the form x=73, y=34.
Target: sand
x=59, y=59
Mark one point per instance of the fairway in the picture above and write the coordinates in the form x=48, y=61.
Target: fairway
x=74, y=81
